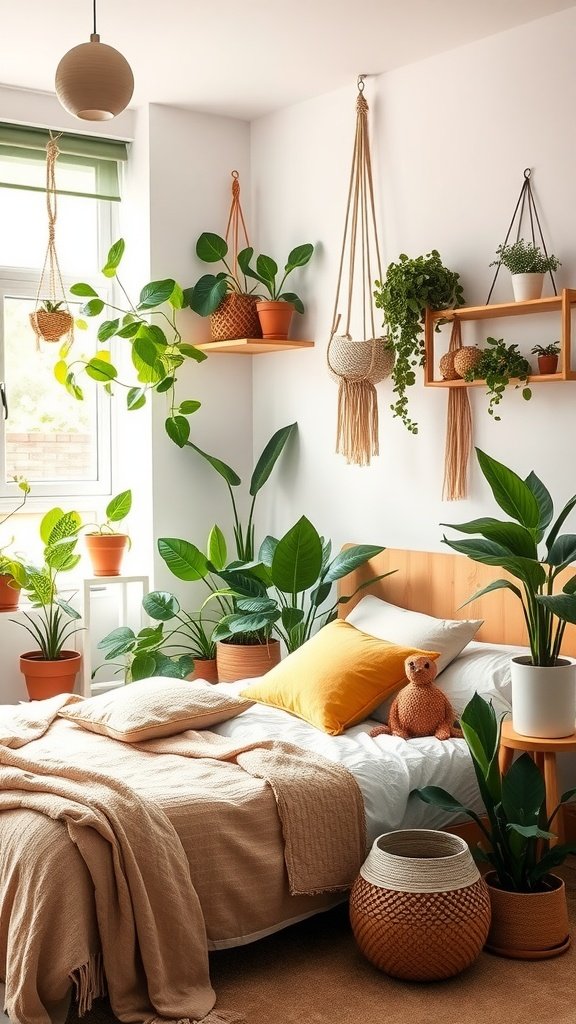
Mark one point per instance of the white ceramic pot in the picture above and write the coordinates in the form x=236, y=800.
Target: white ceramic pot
x=527, y=286
x=543, y=698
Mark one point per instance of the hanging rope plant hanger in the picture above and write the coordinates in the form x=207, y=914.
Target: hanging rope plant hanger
x=359, y=365
x=52, y=319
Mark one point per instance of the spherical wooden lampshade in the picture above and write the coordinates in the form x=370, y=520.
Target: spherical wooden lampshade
x=94, y=81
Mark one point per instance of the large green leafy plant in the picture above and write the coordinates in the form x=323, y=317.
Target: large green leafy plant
x=206, y=295
x=267, y=272
x=51, y=626
x=409, y=287
x=518, y=831
x=523, y=257
x=515, y=546
x=157, y=349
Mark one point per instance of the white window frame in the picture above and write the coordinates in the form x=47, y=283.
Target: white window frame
x=23, y=283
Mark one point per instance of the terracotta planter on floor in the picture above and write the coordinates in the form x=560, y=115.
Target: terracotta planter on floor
x=205, y=668
x=275, y=319
x=528, y=926
x=9, y=593
x=106, y=551
x=47, y=678
x=243, y=661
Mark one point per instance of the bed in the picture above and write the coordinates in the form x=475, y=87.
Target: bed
x=252, y=896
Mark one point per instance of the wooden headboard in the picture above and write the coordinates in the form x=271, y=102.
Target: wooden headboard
x=438, y=583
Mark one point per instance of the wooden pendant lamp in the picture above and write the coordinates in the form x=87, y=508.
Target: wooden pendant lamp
x=93, y=80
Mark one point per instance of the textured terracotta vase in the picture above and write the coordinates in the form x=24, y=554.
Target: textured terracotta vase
x=9, y=593
x=106, y=552
x=47, y=678
x=205, y=668
x=243, y=661
x=275, y=319
x=547, y=364
x=528, y=926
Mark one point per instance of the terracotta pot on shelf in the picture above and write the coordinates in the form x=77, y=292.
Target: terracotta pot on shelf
x=205, y=668
x=106, y=551
x=9, y=593
x=244, y=661
x=48, y=678
x=528, y=926
x=547, y=364
x=275, y=319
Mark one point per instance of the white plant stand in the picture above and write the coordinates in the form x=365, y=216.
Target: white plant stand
x=89, y=585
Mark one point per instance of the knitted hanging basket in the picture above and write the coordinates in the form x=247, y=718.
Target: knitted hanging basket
x=51, y=325
x=236, y=317
x=360, y=360
x=48, y=321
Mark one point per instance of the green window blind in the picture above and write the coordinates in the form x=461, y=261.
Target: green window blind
x=86, y=166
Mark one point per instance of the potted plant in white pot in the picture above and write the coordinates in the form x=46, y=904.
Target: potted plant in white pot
x=105, y=545
x=544, y=682
x=276, y=313
x=527, y=265
x=52, y=668
x=529, y=910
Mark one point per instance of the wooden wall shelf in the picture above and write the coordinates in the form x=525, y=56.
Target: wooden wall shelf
x=252, y=346
x=551, y=304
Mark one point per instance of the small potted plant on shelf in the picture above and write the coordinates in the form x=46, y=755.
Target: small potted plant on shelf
x=12, y=569
x=276, y=314
x=544, y=682
x=224, y=297
x=409, y=287
x=105, y=545
x=52, y=668
x=529, y=910
x=527, y=265
x=498, y=365
x=50, y=322
x=547, y=357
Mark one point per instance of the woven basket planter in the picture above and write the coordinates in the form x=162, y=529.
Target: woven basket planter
x=236, y=317
x=528, y=925
x=447, y=368
x=466, y=358
x=419, y=909
x=243, y=661
x=51, y=326
x=360, y=360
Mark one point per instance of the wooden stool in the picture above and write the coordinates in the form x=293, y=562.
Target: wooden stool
x=544, y=753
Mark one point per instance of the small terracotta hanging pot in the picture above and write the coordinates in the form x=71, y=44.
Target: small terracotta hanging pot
x=275, y=319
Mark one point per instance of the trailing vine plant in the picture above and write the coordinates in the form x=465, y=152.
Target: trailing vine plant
x=501, y=363
x=409, y=287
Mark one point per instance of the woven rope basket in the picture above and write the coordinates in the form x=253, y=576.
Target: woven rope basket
x=447, y=368
x=51, y=326
x=419, y=909
x=466, y=358
x=236, y=317
x=359, y=360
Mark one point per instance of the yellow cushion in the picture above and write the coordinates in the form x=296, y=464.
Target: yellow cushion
x=336, y=678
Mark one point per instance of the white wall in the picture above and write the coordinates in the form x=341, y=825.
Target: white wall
x=451, y=137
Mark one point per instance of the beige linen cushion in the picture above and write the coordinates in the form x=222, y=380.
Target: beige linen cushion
x=155, y=707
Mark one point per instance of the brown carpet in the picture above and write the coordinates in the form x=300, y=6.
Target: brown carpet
x=312, y=973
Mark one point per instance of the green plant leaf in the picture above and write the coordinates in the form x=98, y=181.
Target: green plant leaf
x=217, y=550
x=211, y=248
x=130, y=330
x=177, y=298
x=298, y=558
x=267, y=549
x=269, y=457
x=267, y=268
x=191, y=352
x=92, y=308
x=294, y=299
x=136, y=398
x=208, y=294
x=184, y=560
x=523, y=792
x=188, y=407
x=174, y=668
x=440, y=798
x=160, y=605
x=292, y=617
x=68, y=609
x=155, y=293
x=143, y=666
x=85, y=291
x=100, y=370
x=60, y=371
x=107, y=329
x=243, y=258
x=48, y=523
x=496, y=585
x=164, y=385
x=570, y=586
x=178, y=429
x=511, y=493
x=119, y=507
x=563, y=551
x=115, y=255
x=154, y=334
x=299, y=257
x=512, y=536
x=226, y=472
x=147, y=361
x=119, y=641
x=560, y=521
x=350, y=559
x=562, y=605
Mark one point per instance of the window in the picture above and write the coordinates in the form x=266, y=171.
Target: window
x=61, y=445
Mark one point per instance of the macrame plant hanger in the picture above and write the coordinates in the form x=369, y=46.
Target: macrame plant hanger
x=236, y=316
x=50, y=322
x=359, y=365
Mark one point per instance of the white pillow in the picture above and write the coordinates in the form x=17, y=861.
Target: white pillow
x=414, y=629
x=484, y=669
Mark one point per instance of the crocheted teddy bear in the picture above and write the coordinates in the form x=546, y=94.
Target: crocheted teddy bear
x=420, y=709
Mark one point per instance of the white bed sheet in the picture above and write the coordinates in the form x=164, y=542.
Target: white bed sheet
x=387, y=769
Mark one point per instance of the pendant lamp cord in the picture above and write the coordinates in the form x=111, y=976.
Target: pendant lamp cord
x=94, y=9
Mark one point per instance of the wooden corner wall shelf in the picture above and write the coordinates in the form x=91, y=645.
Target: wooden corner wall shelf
x=252, y=346
x=562, y=303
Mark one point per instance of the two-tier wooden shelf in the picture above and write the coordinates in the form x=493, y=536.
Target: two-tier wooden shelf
x=562, y=304
x=252, y=346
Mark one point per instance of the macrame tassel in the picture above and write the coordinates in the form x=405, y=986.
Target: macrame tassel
x=357, y=435
x=458, y=434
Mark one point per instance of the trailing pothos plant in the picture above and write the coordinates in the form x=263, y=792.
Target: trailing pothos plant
x=408, y=288
x=11, y=565
x=157, y=349
x=498, y=366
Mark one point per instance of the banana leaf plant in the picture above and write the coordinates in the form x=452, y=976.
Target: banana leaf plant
x=157, y=349
x=517, y=830
x=515, y=547
x=287, y=589
x=244, y=534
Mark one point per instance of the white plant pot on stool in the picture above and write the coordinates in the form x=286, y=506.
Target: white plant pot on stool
x=543, y=698
x=527, y=286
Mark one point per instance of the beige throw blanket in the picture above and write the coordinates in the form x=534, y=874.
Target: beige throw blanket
x=133, y=898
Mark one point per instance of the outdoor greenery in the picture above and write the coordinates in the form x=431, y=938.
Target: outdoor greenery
x=500, y=364
x=408, y=288
x=514, y=547
x=206, y=295
x=522, y=257
x=518, y=831
x=157, y=350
